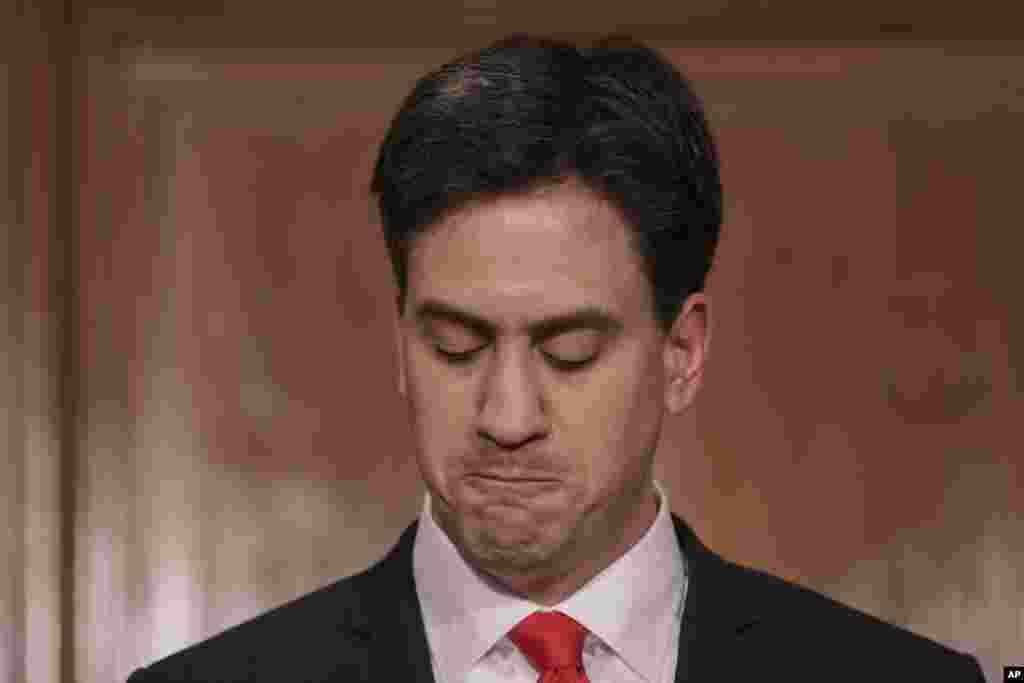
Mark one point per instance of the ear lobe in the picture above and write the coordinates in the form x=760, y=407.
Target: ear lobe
x=684, y=380
x=677, y=393
x=682, y=391
x=686, y=352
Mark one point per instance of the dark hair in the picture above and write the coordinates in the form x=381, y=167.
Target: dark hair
x=528, y=112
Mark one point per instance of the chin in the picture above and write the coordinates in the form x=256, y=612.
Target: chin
x=498, y=555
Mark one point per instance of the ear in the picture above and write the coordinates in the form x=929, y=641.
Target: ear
x=400, y=348
x=686, y=351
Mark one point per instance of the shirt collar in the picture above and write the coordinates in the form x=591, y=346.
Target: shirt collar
x=629, y=606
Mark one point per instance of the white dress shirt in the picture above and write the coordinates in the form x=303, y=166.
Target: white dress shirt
x=633, y=610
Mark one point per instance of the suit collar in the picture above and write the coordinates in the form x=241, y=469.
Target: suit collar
x=728, y=610
x=386, y=619
x=725, y=605
x=383, y=612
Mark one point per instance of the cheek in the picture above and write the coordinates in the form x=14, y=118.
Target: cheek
x=438, y=405
x=615, y=420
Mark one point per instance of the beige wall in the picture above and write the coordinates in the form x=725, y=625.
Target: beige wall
x=239, y=441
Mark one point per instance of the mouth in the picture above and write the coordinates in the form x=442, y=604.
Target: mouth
x=512, y=480
x=510, y=484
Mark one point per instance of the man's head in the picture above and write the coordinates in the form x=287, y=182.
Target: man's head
x=551, y=216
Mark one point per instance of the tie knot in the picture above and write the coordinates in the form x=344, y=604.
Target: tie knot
x=550, y=640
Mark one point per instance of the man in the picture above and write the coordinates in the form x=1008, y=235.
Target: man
x=551, y=215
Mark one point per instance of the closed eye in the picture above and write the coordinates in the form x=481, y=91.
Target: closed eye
x=464, y=357
x=456, y=358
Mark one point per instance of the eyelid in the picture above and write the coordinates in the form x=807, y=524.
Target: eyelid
x=577, y=340
x=433, y=329
x=457, y=354
x=459, y=357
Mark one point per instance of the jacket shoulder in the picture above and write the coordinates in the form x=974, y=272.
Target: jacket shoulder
x=786, y=617
x=310, y=638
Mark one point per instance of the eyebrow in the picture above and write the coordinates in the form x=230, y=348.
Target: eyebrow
x=585, y=318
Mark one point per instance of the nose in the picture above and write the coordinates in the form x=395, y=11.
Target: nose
x=512, y=410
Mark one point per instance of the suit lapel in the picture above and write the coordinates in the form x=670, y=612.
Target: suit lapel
x=708, y=642
x=386, y=619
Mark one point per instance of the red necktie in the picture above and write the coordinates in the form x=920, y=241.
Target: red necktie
x=553, y=642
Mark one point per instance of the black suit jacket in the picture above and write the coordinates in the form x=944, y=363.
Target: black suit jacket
x=738, y=624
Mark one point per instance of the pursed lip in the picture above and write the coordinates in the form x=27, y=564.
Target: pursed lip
x=510, y=477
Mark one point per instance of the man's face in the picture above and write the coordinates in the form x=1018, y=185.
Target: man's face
x=578, y=405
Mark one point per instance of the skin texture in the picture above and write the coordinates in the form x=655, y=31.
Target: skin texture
x=509, y=407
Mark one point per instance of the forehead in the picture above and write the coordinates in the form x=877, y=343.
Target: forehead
x=519, y=258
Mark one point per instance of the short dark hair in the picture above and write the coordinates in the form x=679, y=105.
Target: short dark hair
x=528, y=112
